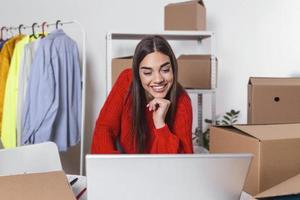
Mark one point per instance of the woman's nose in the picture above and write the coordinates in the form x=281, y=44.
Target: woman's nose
x=158, y=78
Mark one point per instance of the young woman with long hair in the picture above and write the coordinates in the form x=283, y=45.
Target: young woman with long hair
x=147, y=110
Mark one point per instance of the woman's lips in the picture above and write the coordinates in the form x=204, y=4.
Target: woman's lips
x=159, y=88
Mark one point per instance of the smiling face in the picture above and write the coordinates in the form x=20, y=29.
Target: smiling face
x=156, y=75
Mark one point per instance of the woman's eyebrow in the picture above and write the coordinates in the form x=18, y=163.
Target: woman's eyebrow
x=150, y=68
x=144, y=67
x=166, y=63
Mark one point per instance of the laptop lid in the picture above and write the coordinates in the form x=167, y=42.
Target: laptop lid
x=166, y=177
x=33, y=158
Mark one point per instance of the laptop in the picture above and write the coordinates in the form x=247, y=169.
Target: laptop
x=166, y=177
x=35, y=158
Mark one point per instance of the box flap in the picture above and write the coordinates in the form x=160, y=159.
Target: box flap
x=271, y=132
x=36, y=186
x=187, y=2
x=288, y=187
x=274, y=81
x=194, y=57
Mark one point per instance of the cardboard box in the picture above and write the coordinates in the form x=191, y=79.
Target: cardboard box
x=36, y=186
x=190, y=15
x=194, y=71
x=289, y=188
x=275, y=148
x=118, y=65
x=273, y=100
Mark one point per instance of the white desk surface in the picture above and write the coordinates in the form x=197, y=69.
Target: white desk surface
x=81, y=184
x=78, y=186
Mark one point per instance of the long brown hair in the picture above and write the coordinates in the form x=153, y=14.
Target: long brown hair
x=146, y=46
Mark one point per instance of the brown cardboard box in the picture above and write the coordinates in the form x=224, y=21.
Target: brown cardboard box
x=36, y=186
x=287, y=188
x=273, y=100
x=194, y=71
x=190, y=15
x=276, y=150
x=118, y=65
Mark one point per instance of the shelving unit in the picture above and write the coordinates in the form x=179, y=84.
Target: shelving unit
x=198, y=36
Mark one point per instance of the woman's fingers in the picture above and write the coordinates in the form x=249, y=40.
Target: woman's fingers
x=157, y=102
x=154, y=104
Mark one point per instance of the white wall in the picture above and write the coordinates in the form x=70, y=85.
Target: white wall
x=254, y=38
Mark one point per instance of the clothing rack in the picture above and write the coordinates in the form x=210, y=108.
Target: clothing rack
x=83, y=81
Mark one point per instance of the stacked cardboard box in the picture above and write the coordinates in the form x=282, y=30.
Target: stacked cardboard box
x=273, y=100
x=118, y=65
x=194, y=71
x=190, y=15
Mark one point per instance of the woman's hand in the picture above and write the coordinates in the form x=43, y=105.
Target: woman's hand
x=160, y=108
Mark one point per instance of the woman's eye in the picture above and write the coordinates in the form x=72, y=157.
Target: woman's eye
x=147, y=73
x=166, y=70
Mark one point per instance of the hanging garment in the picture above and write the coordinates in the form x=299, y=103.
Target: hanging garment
x=2, y=44
x=52, y=108
x=5, y=58
x=8, y=128
x=28, y=55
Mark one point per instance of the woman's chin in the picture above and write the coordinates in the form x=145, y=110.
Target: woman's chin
x=159, y=95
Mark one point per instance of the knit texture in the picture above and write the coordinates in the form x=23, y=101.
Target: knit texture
x=115, y=124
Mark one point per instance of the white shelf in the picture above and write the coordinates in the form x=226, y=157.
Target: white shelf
x=169, y=35
x=201, y=91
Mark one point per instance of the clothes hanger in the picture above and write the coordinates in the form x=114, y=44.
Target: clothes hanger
x=33, y=31
x=42, y=35
x=20, y=27
x=57, y=23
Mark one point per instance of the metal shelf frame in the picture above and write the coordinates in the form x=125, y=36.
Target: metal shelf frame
x=171, y=35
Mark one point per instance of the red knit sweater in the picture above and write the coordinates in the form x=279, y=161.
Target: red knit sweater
x=115, y=120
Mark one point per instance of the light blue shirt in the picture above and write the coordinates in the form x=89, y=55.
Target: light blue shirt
x=52, y=108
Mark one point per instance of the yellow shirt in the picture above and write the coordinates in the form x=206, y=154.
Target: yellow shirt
x=5, y=58
x=8, y=129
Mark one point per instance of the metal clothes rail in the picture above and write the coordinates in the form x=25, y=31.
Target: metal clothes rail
x=83, y=81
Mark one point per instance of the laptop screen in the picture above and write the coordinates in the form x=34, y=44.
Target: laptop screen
x=166, y=177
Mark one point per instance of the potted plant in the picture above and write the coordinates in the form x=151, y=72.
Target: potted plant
x=201, y=139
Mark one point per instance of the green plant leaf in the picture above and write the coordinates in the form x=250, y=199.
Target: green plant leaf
x=209, y=121
x=225, y=122
x=229, y=114
x=227, y=118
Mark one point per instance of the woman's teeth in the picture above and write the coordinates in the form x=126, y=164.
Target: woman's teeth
x=158, y=88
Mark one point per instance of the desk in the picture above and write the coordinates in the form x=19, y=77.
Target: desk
x=78, y=186
x=81, y=184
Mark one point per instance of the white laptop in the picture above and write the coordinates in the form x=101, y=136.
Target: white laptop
x=33, y=158
x=166, y=177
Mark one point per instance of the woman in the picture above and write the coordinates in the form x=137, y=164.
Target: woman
x=147, y=111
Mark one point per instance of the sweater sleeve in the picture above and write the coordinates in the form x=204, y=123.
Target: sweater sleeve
x=109, y=121
x=180, y=139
